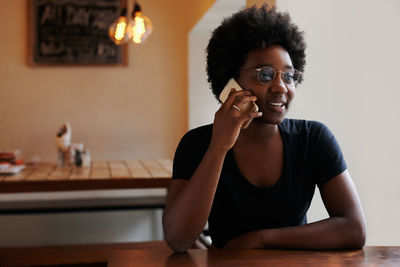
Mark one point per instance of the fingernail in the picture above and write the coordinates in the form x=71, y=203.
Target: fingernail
x=259, y=113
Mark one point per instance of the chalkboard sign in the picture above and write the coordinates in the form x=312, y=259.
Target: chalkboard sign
x=73, y=32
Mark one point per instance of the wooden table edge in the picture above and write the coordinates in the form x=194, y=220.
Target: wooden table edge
x=84, y=184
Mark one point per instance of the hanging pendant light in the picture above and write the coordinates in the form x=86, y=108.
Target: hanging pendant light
x=137, y=28
x=120, y=31
x=141, y=25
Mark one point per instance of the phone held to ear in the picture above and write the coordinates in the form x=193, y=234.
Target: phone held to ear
x=246, y=107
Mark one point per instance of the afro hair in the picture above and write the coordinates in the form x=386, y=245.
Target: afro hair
x=247, y=30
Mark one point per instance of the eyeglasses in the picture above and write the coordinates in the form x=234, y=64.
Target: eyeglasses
x=265, y=75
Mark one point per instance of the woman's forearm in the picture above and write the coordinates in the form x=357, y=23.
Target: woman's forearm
x=332, y=233
x=186, y=212
x=189, y=203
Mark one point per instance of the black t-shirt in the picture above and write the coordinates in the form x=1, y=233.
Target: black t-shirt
x=312, y=156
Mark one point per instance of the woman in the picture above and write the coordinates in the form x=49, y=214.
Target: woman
x=255, y=185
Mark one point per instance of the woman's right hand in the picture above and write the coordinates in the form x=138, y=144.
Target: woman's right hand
x=228, y=120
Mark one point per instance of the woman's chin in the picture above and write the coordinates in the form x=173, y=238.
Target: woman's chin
x=272, y=119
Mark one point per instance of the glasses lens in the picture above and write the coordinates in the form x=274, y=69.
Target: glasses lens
x=266, y=74
x=288, y=77
x=296, y=77
x=291, y=77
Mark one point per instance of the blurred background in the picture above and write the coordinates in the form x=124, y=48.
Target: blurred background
x=141, y=110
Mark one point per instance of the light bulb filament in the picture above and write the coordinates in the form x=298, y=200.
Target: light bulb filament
x=120, y=30
x=139, y=29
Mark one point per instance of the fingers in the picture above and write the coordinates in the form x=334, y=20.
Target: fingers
x=244, y=100
x=253, y=115
x=238, y=98
x=247, y=118
x=243, y=114
x=233, y=94
x=237, y=108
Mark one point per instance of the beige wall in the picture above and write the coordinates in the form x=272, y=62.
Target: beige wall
x=202, y=103
x=352, y=58
x=258, y=3
x=138, y=111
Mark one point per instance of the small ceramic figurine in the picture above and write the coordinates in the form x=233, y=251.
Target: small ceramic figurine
x=63, y=141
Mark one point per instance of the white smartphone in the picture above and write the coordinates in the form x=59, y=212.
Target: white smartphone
x=245, y=108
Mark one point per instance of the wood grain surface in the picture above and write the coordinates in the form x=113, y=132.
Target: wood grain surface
x=74, y=255
x=369, y=256
x=100, y=175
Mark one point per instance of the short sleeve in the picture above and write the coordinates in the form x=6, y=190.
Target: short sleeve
x=190, y=152
x=327, y=155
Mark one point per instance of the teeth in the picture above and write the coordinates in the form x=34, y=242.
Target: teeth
x=277, y=104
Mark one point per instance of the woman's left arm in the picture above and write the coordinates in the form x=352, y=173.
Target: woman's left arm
x=346, y=227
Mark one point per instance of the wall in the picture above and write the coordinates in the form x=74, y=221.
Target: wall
x=202, y=103
x=350, y=85
x=352, y=60
x=138, y=111
x=259, y=3
x=133, y=112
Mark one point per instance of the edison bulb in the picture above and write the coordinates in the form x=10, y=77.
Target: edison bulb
x=120, y=31
x=141, y=28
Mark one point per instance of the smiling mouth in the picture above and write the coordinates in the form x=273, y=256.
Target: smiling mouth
x=277, y=104
x=277, y=107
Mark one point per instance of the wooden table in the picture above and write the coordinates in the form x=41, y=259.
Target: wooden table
x=69, y=255
x=47, y=177
x=369, y=256
x=150, y=177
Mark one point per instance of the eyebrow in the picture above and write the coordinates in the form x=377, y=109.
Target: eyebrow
x=269, y=65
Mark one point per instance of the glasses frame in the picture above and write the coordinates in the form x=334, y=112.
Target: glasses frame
x=276, y=71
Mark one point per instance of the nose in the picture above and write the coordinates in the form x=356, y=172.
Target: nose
x=278, y=86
